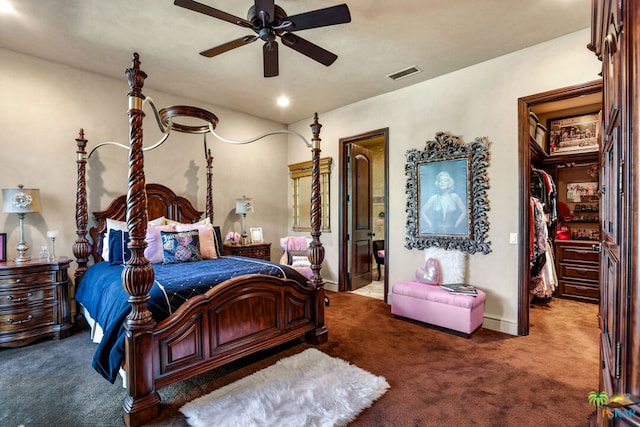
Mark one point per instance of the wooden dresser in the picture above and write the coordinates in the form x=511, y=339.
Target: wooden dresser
x=252, y=250
x=578, y=269
x=34, y=301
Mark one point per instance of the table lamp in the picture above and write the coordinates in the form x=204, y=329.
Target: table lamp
x=21, y=201
x=243, y=206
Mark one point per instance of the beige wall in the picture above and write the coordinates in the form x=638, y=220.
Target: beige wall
x=480, y=100
x=45, y=104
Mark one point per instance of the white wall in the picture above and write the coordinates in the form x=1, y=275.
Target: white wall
x=44, y=105
x=480, y=100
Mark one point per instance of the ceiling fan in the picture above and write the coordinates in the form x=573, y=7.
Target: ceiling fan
x=270, y=21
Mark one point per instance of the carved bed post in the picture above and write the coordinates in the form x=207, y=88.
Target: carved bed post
x=81, y=248
x=142, y=403
x=316, y=250
x=209, y=187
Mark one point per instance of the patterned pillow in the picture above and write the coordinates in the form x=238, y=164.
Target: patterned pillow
x=300, y=261
x=296, y=254
x=205, y=234
x=180, y=246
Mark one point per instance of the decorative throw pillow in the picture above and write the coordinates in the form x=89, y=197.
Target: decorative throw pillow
x=158, y=221
x=180, y=246
x=218, y=240
x=201, y=222
x=154, y=251
x=119, y=252
x=298, y=255
x=112, y=224
x=430, y=273
x=205, y=234
x=300, y=261
x=452, y=264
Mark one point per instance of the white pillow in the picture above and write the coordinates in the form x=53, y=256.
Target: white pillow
x=206, y=237
x=452, y=263
x=112, y=224
x=201, y=222
x=158, y=221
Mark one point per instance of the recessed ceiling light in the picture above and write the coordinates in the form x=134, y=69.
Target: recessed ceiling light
x=283, y=101
x=6, y=7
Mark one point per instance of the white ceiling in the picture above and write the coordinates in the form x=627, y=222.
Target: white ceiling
x=437, y=36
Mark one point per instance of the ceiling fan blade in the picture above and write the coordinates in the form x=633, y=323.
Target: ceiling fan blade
x=266, y=6
x=309, y=49
x=210, y=11
x=270, y=59
x=319, y=18
x=209, y=53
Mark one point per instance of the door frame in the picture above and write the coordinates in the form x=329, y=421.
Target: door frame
x=343, y=212
x=524, y=160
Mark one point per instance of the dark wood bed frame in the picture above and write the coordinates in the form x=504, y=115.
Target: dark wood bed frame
x=237, y=318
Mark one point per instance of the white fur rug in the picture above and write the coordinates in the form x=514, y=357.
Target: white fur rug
x=307, y=389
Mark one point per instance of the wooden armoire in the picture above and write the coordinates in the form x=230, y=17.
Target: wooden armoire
x=616, y=41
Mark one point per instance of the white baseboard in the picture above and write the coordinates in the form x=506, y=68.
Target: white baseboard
x=331, y=286
x=500, y=325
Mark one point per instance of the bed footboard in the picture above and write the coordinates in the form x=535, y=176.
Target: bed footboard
x=235, y=319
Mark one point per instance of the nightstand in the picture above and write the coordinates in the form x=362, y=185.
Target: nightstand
x=252, y=250
x=34, y=301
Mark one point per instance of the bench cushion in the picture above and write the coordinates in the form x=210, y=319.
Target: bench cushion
x=436, y=306
x=419, y=290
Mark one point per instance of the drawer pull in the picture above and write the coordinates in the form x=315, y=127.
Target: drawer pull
x=18, y=280
x=12, y=299
x=19, y=322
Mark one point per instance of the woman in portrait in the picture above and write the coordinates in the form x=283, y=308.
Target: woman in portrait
x=444, y=212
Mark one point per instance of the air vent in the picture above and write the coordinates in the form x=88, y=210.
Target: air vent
x=404, y=73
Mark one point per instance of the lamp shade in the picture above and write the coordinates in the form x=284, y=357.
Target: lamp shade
x=244, y=205
x=20, y=200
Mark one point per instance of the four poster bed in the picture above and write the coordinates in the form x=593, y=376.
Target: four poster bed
x=252, y=306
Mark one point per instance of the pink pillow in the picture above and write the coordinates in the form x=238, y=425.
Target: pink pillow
x=430, y=273
x=205, y=234
x=153, y=252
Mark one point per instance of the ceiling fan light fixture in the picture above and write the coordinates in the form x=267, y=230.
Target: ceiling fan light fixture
x=409, y=71
x=269, y=21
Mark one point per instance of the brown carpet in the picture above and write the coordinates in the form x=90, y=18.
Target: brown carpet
x=491, y=379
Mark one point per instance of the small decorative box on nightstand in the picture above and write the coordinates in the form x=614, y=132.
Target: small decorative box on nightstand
x=34, y=301
x=252, y=250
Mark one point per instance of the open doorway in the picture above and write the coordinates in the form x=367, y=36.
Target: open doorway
x=577, y=278
x=363, y=210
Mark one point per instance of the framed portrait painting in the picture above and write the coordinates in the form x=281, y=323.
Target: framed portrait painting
x=447, y=194
x=444, y=198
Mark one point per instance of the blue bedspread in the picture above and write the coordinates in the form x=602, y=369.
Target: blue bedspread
x=100, y=292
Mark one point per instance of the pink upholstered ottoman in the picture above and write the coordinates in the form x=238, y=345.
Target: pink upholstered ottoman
x=436, y=306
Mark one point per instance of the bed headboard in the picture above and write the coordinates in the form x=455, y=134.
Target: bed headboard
x=161, y=201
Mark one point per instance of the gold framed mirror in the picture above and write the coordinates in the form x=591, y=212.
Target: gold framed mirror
x=301, y=180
